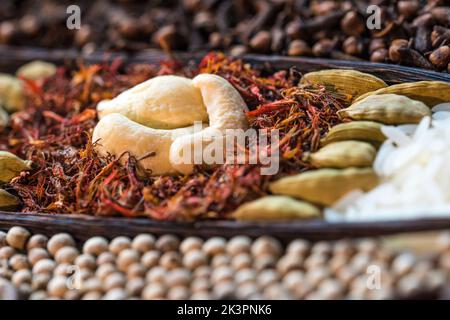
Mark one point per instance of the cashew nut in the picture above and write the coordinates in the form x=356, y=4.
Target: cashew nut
x=124, y=123
x=164, y=102
x=225, y=108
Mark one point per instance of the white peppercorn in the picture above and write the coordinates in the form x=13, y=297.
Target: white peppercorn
x=222, y=273
x=135, y=286
x=167, y=242
x=92, y=284
x=72, y=295
x=409, y=284
x=57, y=286
x=38, y=295
x=244, y=276
x=178, y=277
x=92, y=295
x=118, y=244
x=202, y=272
x=17, y=237
x=224, y=290
x=36, y=254
x=317, y=275
x=95, y=246
x=219, y=260
x=105, y=270
x=238, y=244
x=178, y=293
x=6, y=252
x=403, y=263
x=267, y=277
x=368, y=246
x=58, y=241
x=127, y=257
x=315, y=261
x=66, y=255
x=194, y=258
x=293, y=279
x=136, y=270
x=343, y=248
x=443, y=242
x=150, y=258
x=143, y=243
x=106, y=257
x=156, y=274
x=63, y=269
x=170, y=260
x=114, y=280
x=289, y=262
x=361, y=261
x=85, y=261
x=331, y=289
x=201, y=295
x=115, y=294
x=200, y=284
x=266, y=245
x=241, y=261
x=44, y=266
x=154, y=291
x=21, y=276
x=37, y=241
x=40, y=281
x=276, y=292
x=321, y=248
x=19, y=261
x=191, y=243
x=246, y=290
x=214, y=246
x=264, y=261
x=298, y=247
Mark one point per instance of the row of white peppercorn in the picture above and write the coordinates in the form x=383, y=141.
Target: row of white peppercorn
x=147, y=267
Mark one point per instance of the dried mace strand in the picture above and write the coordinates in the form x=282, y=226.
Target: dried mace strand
x=348, y=82
x=11, y=166
x=343, y=154
x=276, y=208
x=325, y=186
x=387, y=108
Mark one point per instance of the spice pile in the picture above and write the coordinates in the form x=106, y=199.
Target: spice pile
x=145, y=267
x=410, y=32
x=68, y=176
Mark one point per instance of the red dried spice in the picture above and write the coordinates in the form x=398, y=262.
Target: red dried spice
x=69, y=177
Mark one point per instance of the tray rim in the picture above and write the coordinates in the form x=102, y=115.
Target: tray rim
x=86, y=226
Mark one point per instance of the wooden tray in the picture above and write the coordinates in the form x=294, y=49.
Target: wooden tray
x=86, y=226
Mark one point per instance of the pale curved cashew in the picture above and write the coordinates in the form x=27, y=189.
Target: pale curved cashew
x=118, y=130
x=117, y=134
x=164, y=102
x=225, y=108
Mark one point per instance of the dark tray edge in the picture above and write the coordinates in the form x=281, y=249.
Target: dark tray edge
x=83, y=227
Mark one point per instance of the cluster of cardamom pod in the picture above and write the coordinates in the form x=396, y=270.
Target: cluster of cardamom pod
x=12, y=99
x=344, y=162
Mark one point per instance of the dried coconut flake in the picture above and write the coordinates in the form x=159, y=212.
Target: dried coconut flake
x=414, y=166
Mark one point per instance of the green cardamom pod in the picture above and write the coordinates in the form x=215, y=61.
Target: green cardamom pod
x=11, y=166
x=7, y=200
x=276, y=208
x=325, y=186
